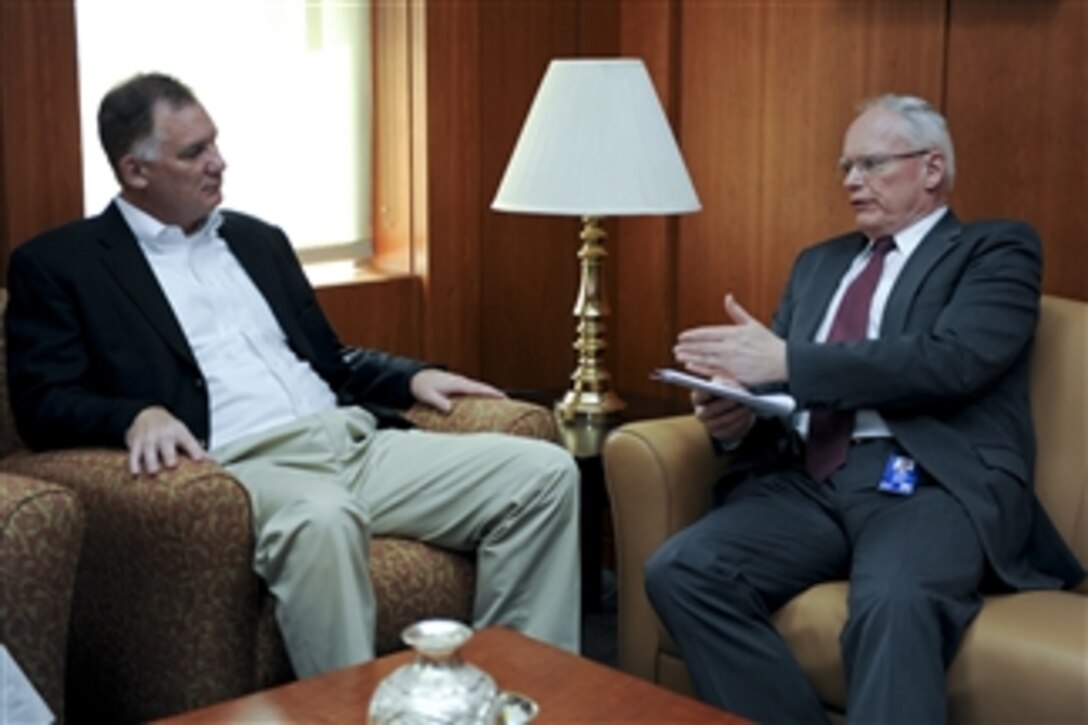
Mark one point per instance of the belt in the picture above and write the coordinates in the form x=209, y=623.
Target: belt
x=867, y=439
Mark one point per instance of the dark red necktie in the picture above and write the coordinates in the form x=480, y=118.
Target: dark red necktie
x=829, y=431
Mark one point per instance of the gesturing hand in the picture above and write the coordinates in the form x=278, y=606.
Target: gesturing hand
x=154, y=439
x=434, y=387
x=745, y=351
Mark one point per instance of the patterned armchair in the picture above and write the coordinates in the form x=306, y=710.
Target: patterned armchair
x=41, y=527
x=168, y=615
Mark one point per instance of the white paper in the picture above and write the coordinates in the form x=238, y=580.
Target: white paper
x=19, y=701
x=769, y=405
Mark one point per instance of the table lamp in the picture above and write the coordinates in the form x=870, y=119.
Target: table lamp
x=596, y=143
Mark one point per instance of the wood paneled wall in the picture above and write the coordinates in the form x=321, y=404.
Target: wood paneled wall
x=40, y=180
x=759, y=94
x=768, y=89
x=529, y=271
x=1016, y=98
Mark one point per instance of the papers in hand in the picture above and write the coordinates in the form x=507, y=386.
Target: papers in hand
x=770, y=405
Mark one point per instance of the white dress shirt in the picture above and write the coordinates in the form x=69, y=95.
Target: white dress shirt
x=255, y=381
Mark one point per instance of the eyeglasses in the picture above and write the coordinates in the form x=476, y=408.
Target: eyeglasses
x=874, y=162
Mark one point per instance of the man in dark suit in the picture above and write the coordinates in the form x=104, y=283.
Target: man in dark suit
x=908, y=466
x=173, y=328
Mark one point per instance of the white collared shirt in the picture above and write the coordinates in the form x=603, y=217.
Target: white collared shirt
x=868, y=423
x=255, y=381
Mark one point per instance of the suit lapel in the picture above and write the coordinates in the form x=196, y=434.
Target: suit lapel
x=121, y=255
x=934, y=247
x=829, y=271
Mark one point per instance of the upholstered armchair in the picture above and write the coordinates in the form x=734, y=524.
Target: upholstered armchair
x=41, y=528
x=1025, y=657
x=167, y=613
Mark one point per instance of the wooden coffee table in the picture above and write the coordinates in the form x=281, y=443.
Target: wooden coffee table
x=568, y=689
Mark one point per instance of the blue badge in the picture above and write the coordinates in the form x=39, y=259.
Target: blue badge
x=900, y=475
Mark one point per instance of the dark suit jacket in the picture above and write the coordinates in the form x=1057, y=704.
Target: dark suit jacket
x=949, y=375
x=92, y=339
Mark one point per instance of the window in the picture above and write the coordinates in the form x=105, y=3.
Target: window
x=287, y=82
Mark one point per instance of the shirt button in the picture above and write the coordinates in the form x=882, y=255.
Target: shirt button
x=199, y=383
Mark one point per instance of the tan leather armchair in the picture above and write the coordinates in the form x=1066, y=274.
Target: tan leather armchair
x=1024, y=659
x=167, y=614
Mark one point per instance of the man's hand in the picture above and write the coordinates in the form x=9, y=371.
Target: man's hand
x=154, y=439
x=745, y=351
x=726, y=420
x=434, y=387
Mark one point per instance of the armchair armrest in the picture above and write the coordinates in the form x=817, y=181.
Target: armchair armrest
x=659, y=475
x=478, y=414
x=165, y=588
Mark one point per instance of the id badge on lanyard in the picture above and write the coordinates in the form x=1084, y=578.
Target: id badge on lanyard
x=900, y=475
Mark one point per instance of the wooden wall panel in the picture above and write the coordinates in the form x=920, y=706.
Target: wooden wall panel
x=768, y=90
x=454, y=198
x=528, y=266
x=382, y=314
x=644, y=248
x=721, y=128
x=1018, y=109
x=485, y=60
x=759, y=94
x=40, y=181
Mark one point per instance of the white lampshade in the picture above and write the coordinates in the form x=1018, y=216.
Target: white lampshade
x=596, y=142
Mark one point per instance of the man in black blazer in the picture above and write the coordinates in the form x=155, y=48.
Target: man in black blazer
x=175, y=329
x=930, y=493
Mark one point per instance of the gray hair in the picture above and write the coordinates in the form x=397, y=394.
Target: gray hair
x=923, y=124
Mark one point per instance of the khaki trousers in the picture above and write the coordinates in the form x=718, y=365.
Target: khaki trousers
x=322, y=486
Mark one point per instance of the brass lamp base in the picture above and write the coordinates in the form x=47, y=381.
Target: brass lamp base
x=591, y=395
x=584, y=420
x=588, y=404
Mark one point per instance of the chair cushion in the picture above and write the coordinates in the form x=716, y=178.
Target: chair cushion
x=413, y=581
x=1016, y=638
x=811, y=623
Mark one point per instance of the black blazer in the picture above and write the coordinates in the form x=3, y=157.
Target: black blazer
x=92, y=339
x=949, y=375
